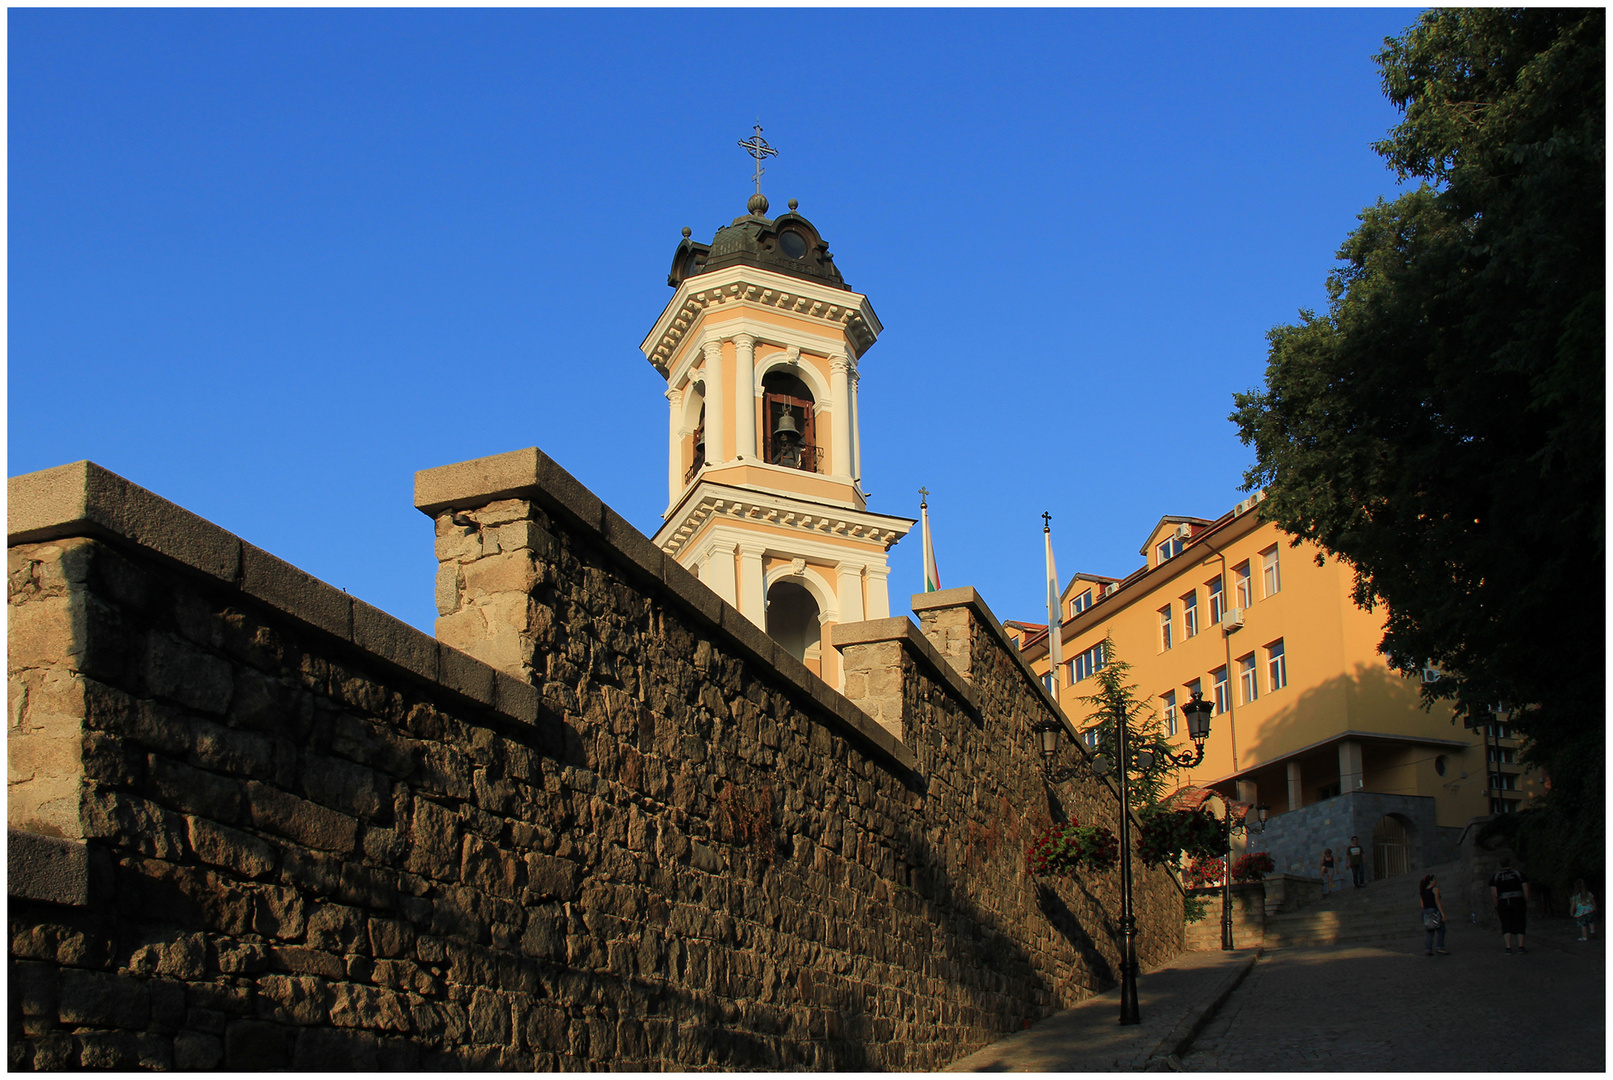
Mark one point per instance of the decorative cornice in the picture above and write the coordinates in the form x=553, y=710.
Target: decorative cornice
x=719, y=501
x=847, y=311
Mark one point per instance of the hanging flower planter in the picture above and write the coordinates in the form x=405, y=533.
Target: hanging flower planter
x=1065, y=847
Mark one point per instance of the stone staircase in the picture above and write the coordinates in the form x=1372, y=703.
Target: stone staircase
x=1383, y=911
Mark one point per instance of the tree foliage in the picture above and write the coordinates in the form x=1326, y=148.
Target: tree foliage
x=1440, y=427
x=1116, y=699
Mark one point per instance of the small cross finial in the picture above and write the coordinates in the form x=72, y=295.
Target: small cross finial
x=924, y=494
x=1047, y=522
x=757, y=147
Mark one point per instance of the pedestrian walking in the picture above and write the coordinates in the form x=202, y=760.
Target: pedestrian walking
x=1584, y=908
x=1329, y=871
x=1510, y=892
x=1433, y=917
x=1357, y=860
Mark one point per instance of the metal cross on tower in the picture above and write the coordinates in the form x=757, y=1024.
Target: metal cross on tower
x=757, y=147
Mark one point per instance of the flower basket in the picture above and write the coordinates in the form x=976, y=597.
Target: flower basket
x=1165, y=835
x=1204, y=873
x=1063, y=848
x=1253, y=866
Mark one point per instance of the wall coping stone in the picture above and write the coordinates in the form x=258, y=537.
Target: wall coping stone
x=901, y=629
x=532, y=474
x=85, y=499
x=966, y=596
x=47, y=868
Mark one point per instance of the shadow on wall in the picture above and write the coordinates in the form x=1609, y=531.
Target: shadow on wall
x=1371, y=698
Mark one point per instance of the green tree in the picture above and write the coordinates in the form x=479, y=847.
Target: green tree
x=1114, y=699
x=1440, y=427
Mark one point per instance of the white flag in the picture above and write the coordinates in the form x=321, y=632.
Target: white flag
x=1055, y=647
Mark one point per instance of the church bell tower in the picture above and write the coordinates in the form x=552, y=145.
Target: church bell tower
x=760, y=347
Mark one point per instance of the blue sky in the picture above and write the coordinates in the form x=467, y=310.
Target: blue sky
x=269, y=263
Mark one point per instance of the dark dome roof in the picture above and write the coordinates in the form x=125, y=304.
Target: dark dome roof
x=788, y=244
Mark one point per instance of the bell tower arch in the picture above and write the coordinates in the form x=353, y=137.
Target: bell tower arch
x=760, y=348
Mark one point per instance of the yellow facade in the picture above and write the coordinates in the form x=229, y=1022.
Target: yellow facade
x=1307, y=708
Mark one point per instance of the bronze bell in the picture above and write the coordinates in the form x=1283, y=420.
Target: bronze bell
x=786, y=425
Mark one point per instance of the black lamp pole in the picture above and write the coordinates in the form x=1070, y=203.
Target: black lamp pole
x=1129, y=1012
x=1049, y=732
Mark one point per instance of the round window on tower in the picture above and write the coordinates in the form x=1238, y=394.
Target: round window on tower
x=792, y=244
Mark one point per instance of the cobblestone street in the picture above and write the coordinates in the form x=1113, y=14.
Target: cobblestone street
x=1388, y=1007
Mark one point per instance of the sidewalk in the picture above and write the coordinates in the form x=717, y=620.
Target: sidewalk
x=1174, y=1001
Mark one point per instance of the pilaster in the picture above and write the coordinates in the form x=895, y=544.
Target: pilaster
x=744, y=397
x=716, y=402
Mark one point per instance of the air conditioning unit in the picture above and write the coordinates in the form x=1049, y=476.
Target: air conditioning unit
x=1232, y=620
x=1109, y=588
x=1431, y=674
x=1183, y=531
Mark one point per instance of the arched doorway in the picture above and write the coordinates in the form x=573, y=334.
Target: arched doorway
x=792, y=621
x=1391, y=847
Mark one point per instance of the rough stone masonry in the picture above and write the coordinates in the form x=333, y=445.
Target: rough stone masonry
x=603, y=822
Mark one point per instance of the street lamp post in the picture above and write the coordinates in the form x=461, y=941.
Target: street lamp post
x=1050, y=732
x=1238, y=825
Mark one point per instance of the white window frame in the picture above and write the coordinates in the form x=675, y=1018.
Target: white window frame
x=1080, y=603
x=1271, y=574
x=1276, y=666
x=1165, y=628
x=1168, y=700
x=1223, y=689
x=1190, y=615
x=1248, y=677
x=1243, y=584
x=1167, y=549
x=1218, y=605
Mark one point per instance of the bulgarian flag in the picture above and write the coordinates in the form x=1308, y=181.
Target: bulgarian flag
x=932, y=578
x=1055, y=647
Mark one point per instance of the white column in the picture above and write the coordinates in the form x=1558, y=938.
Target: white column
x=752, y=585
x=744, y=397
x=840, y=439
x=716, y=402
x=1296, y=791
x=849, y=591
x=674, y=452
x=878, y=604
x=717, y=571
x=1350, y=778
x=856, y=420
x=1247, y=792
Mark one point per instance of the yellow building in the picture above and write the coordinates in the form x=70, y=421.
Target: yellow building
x=759, y=346
x=1309, y=718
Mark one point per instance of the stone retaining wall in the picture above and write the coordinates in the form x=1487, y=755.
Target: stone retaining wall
x=258, y=824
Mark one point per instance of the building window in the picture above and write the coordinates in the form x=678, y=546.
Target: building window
x=1270, y=578
x=1276, y=666
x=1168, y=549
x=1088, y=662
x=1223, y=690
x=1501, y=806
x=1248, y=680
x=1498, y=731
x=1190, y=614
x=1090, y=737
x=1503, y=782
x=1080, y=603
x=1194, y=687
x=1164, y=628
x=1216, y=601
x=1244, y=587
x=1504, y=755
x=1439, y=765
x=1047, y=681
x=1168, y=700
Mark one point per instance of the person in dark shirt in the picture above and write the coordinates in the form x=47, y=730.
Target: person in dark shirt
x=1357, y=859
x=1433, y=916
x=1510, y=892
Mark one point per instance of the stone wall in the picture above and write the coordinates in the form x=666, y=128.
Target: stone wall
x=1248, y=918
x=258, y=824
